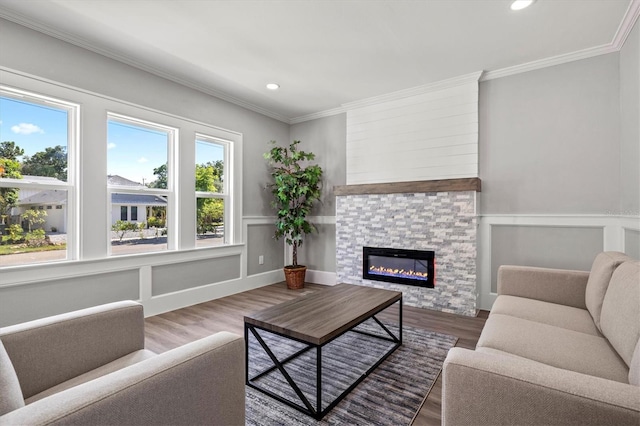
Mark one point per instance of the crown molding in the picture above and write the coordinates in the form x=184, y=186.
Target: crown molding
x=387, y=97
x=549, y=62
x=320, y=114
x=630, y=18
x=80, y=42
x=624, y=29
x=413, y=91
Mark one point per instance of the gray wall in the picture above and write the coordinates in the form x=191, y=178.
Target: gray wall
x=260, y=242
x=544, y=246
x=327, y=138
x=549, y=140
x=181, y=276
x=630, y=129
x=632, y=243
x=26, y=302
x=319, y=249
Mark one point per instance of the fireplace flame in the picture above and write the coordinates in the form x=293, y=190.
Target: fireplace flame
x=381, y=270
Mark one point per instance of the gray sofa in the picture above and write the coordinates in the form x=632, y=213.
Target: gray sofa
x=559, y=347
x=90, y=367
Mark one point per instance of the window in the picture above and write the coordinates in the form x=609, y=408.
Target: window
x=212, y=193
x=37, y=169
x=140, y=174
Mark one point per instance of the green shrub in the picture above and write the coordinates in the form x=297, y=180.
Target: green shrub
x=155, y=222
x=36, y=238
x=122, y=226
x=16, y=233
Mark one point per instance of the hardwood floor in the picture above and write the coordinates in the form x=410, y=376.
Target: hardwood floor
x=172, y=329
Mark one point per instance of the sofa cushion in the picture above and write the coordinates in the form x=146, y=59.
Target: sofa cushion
x=620, y=318
x=568, y=317
x=634, y=368
x=120, y=363
x=601, y=270
x=554, y=346
x=10, y=392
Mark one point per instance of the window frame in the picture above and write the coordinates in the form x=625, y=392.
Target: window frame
x=226, y=195
x=72, y=185
x=169, y=193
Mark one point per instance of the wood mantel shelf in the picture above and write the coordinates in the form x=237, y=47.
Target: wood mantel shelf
x=444, y=185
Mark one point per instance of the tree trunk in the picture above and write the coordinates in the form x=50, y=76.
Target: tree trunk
x=295, y=253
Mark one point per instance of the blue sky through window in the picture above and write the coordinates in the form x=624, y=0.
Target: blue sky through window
x=33, y=127
x=133, y=151
x=208, y=152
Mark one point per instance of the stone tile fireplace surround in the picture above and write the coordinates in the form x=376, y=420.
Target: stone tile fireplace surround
x=427, y=215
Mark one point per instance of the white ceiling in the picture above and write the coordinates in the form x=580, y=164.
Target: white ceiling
x=327, y=53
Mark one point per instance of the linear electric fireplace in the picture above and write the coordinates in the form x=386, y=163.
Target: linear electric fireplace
x=410, y=267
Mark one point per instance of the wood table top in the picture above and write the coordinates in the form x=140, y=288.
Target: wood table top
x=321, y=316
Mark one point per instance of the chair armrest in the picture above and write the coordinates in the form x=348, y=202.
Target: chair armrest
x=49, y=351
x=489, y=389
x=560, y=286
x=199, y=383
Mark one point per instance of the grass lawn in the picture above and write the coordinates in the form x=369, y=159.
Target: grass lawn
x=16, y=249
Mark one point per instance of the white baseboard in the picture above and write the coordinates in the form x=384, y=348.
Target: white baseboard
x=321, y=277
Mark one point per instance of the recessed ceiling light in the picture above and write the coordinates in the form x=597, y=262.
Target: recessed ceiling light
x=521, y=4
x=273, y=86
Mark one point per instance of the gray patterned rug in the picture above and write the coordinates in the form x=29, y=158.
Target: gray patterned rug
x=391, y=395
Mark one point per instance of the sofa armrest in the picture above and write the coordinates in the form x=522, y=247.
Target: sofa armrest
x=560, y=286
x=489, y=389
x=199, y=383
x=52, y=350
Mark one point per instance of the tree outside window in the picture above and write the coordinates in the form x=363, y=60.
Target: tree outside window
x=210, y=192
x=34, y=174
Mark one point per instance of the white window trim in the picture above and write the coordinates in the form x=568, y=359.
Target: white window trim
x=86, y=246
x=73, y=155
x=226, y=195
x=170, y=193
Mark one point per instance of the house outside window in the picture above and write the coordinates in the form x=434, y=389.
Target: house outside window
x=38, y=140
x=140, y=166
x=212, y=191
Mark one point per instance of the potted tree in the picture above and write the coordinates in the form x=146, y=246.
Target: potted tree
x=295, y=187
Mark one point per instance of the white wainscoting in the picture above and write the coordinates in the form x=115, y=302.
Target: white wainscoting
x=613, y=239
x=167, y=302
x=22, y=283
x=432, y=134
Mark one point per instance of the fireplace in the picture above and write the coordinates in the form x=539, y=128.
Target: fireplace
x=409, y=267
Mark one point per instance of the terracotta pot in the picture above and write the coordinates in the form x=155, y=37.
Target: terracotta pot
x=295, y=276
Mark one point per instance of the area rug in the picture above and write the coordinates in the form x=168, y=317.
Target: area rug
x=391, y=395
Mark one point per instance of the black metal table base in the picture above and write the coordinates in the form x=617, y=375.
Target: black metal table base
x=307, y=407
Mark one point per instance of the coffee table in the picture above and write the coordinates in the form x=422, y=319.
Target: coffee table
x=316, y=320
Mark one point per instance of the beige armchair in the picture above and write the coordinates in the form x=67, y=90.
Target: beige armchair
x=90, y=367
